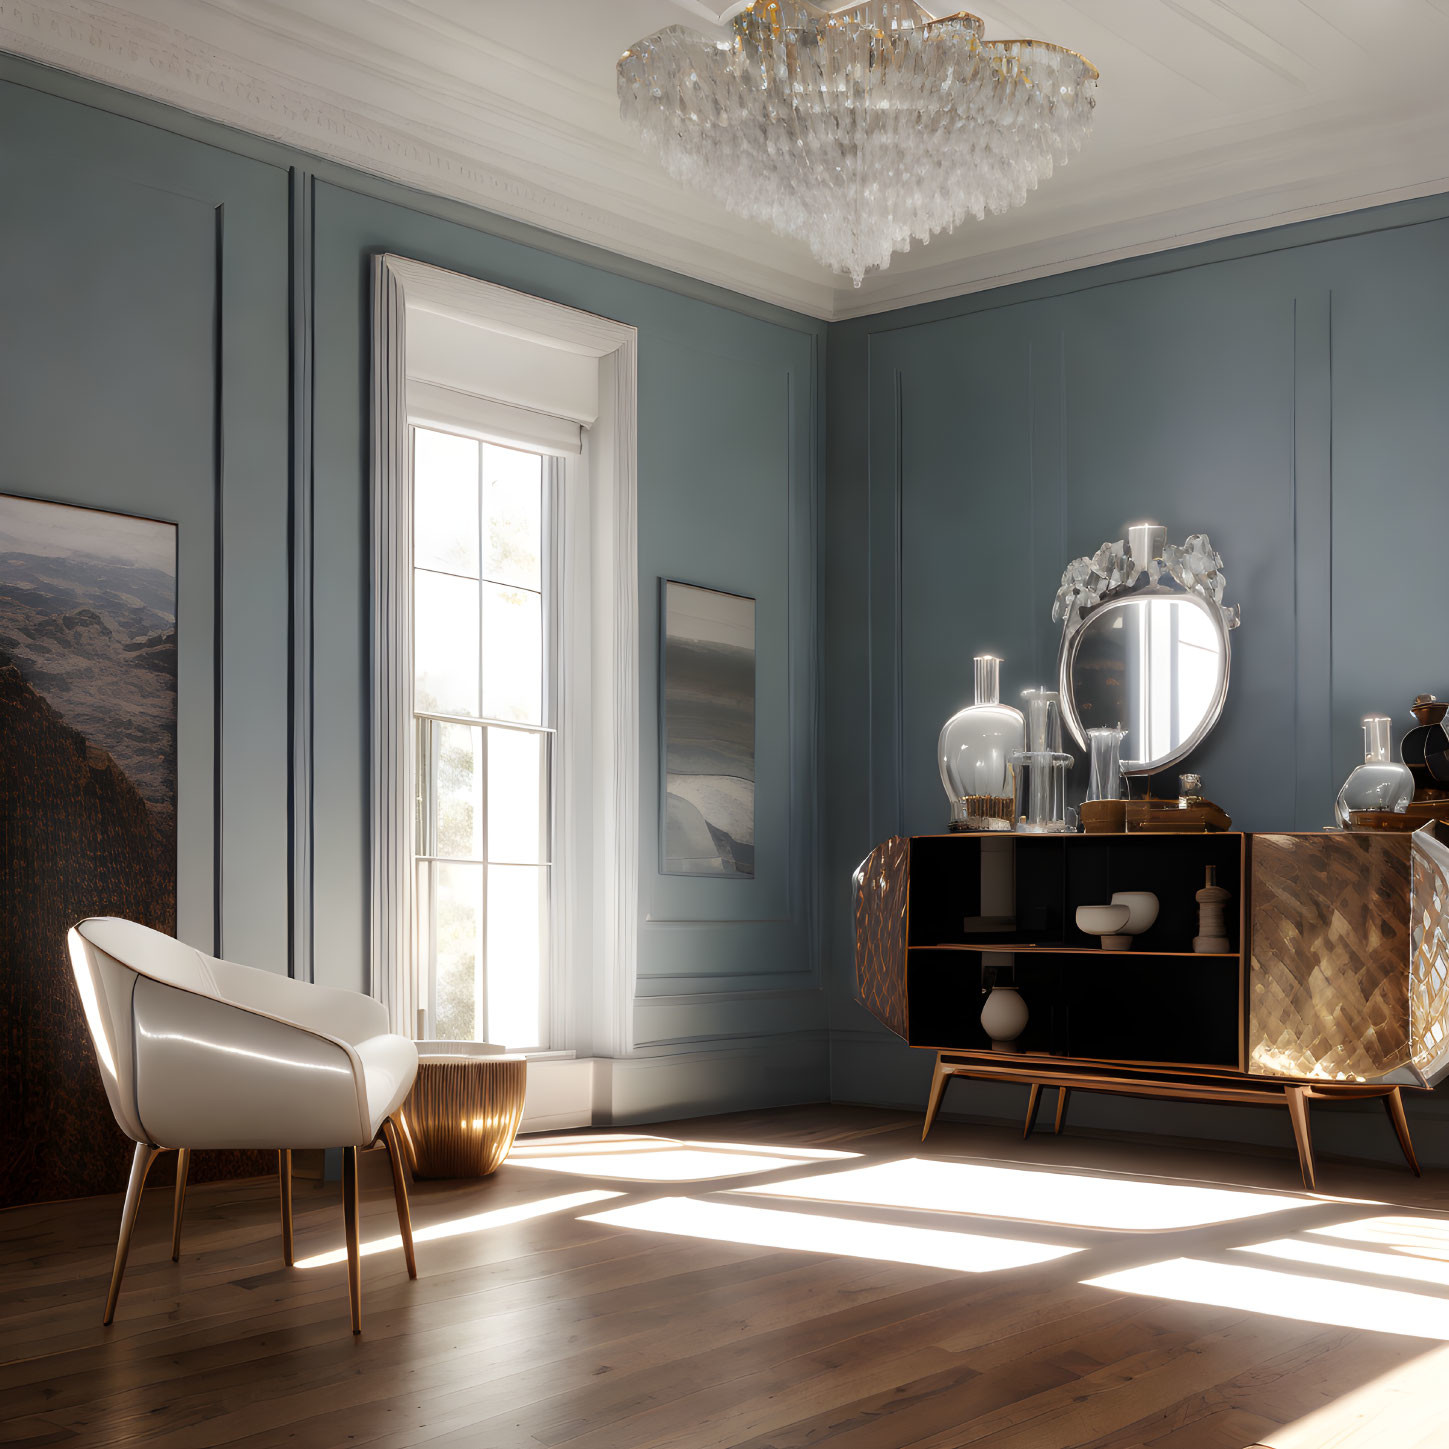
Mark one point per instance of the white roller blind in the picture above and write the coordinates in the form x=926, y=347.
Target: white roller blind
x=523, y=372
x=431, y=406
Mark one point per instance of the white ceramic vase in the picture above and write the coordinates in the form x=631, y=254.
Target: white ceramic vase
x=1142, y=906
x=1004, y=1018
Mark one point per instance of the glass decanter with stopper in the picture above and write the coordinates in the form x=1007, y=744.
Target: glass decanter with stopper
x=1380, y=783
x=974, y=753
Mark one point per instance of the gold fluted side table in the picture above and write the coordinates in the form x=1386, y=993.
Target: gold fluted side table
x=462, y=1114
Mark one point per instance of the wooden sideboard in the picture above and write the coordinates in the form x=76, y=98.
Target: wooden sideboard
x=1335, y=986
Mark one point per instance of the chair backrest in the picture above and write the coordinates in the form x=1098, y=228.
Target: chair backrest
x=106, y=955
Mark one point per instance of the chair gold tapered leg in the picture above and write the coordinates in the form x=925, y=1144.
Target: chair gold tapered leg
x=354, y=1247
x=284, y=1183
x=183, y=1164
x=1064, y=1095
x=393, y=1142
x=141, y=1162
x=1298, y=1111
x=1394, y=1106
x=1032, y=1103
x=939, y=1078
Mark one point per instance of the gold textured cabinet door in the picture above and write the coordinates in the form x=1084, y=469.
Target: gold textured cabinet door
x=881, y=887
x=1429, y=984
x=1328, y=977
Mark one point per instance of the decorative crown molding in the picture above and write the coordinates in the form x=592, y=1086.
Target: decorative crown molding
x=398, y=89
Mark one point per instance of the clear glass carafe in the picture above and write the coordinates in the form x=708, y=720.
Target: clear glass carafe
x=974, y=753
x=1381, y=782
x=1104, y=744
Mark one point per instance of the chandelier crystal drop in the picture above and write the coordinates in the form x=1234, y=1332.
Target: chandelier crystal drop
x=856, y=130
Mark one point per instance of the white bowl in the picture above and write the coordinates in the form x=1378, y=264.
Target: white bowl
x=1103, y=920
x=1142, y=908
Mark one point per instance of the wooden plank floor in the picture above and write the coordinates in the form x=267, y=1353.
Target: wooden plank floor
x=710, y=1316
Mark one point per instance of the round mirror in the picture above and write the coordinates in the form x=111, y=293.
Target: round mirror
x=1155, y=664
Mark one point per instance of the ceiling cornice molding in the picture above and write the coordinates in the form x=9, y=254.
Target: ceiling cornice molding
x=492, y=127
x=107, y=44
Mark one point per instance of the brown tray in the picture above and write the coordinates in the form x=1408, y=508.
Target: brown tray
x=1104, y=817
x=1166, y=817
x=1418, y=813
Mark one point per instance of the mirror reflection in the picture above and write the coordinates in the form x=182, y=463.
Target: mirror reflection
x=1154, y=666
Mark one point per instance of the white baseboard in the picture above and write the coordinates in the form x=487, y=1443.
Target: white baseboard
x=707, y=1079
x=560, y=1094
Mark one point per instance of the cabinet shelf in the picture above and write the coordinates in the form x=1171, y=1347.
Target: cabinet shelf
x=1009, y=947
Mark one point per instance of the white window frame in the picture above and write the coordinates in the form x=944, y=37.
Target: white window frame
x=484, y=430
x=595, y=887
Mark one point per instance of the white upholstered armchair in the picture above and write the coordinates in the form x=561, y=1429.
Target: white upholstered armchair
x=200, y=1053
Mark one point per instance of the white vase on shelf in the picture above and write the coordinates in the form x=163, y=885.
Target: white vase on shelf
x=1143, y=907
x=1004, y=1018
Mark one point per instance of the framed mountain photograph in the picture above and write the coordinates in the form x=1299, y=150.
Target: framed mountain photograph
x=87, y=809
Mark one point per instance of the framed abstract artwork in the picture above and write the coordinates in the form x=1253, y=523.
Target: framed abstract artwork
x=707, y=732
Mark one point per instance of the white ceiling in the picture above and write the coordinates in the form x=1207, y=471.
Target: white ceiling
x=1213, y=117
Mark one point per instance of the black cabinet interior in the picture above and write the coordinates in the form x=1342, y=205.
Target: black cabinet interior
x=990, y=910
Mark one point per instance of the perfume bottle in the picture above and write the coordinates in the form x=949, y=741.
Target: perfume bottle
x=1380, y=783
x=974, y=753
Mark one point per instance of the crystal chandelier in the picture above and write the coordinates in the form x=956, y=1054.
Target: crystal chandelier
x=859, y=129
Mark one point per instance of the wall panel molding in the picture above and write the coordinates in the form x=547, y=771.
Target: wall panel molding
x=1312, y=554
x=301, y=262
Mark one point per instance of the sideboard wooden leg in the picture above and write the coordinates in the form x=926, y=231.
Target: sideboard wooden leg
x=1064, y=1095
x=939, y=1078
x=1394, y=1106
x=1032, y=1103
x=1298, y=1111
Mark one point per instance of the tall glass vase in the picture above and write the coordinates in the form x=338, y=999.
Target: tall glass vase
x=974, y=753
x=1041, y=784
x=1381, y=782
x=1105, y=744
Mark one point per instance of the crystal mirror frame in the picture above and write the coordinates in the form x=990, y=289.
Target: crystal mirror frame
x=1121, y=574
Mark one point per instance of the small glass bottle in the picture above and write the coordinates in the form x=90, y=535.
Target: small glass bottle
x=974, y=753
x=1380, y=783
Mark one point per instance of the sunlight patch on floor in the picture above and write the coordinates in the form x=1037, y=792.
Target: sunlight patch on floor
x=1319, y=1254
x=458, y=1227
x=841, y=1237
x=1060, y=1198
x=1417, y=1237
x=1303, y=1297
x=664, y=1159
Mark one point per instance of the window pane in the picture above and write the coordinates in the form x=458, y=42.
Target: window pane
x=445, y=643
x=513, y=494
x=445, y=502
x=516, y=797
x=512, y=654
x=451, y=922
x=516, y=895
x=458, y=805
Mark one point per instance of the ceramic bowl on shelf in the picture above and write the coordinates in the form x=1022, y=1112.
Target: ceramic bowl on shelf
x=1143, y=908
x=1109, y=922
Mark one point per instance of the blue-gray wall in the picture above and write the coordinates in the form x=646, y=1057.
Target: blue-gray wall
x=183, y=311
x=1285, y=393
